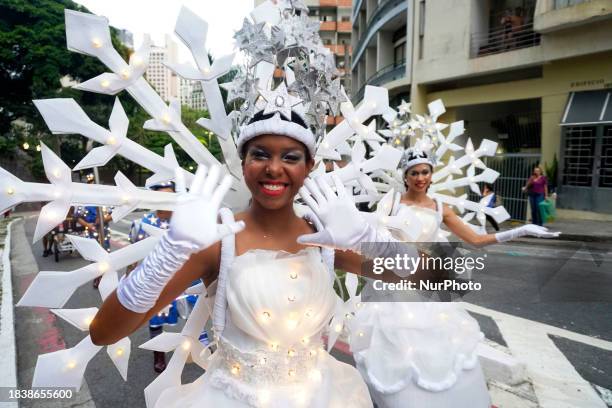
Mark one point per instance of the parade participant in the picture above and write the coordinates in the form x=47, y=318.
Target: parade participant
x=424, y=354
x=169, y=315
x=279, y=293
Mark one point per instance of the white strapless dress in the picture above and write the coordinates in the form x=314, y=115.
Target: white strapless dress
x=422, y=354
x=270, y=353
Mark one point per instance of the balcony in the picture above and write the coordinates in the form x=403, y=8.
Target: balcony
x=385, y=12
x=338, y=49
x=553, y=15
x=503, y=40
x=345, y=27
x=327, y=26
x=385, y=75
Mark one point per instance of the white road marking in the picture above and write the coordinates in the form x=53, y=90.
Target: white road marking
x=556, y=382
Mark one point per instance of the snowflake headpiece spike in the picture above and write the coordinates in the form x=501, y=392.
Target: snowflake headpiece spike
x=288, y=71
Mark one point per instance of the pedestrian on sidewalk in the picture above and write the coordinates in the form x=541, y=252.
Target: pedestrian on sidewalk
x=537, y=189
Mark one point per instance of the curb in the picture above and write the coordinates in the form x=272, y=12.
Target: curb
x=8, y=357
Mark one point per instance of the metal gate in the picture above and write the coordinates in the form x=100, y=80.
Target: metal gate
x=514, y=169
x=586, y=168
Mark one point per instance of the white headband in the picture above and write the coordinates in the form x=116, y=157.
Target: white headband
x=276, y=126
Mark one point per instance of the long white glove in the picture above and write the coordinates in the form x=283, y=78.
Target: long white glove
x=344, y=227
x=193, y=227
x=529, y=229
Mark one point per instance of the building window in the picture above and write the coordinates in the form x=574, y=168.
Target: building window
x=421, y=27
x=399, y=53
x=346, y=19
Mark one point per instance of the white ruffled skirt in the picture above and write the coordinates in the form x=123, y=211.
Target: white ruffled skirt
x=421, y=355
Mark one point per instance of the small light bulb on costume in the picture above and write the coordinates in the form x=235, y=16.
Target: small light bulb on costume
x=338, y=328
x=56, y=173
x=166, y=119
x=51, y=215
x=443, y=316
x=119, y=352
x=10, y=191
x=291, y=324
x=361, y=334
x=125, y=73
x=105, y=83
x=103, y=267
x=293, y=275
x=111, y=140
x=305, y=340
x=235, y=369
x=71, y=364
x=291, y=353
x=125, y=199
x=186, y=345
x=96, y=42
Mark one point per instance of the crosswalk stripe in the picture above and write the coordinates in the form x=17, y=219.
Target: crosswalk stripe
x=556, y=382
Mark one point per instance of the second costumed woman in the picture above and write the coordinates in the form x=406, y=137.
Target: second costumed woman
x=424, y=354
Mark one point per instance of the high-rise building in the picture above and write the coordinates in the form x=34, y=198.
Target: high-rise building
x=163, y=80
x=533, y=75
x=192, y=95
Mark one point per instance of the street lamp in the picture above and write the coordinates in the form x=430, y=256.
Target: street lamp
x=26, y=145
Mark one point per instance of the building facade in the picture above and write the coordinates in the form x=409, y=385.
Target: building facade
x=191, y=94
x=533, y=75
x=162, y=79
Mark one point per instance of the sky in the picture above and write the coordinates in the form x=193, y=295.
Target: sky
x=157, y=17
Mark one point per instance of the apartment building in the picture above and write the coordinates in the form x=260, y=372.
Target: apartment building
x=191, y=94
x=162, y=79
x=335, y=33
x=533, y=75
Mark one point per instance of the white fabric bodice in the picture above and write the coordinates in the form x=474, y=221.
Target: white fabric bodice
x=279, y=298
x=430, y=222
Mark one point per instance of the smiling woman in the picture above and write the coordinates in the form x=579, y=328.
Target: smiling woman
x=274, y=297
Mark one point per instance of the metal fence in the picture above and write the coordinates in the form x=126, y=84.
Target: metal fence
x=514, y=169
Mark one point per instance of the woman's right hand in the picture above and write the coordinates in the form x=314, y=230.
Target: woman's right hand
x=195, y=217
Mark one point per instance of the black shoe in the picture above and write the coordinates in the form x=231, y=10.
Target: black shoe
x=159, y=361
x=46, y=253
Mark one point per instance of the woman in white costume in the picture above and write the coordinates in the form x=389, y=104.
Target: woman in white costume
x=424, y=354
x=278, y=293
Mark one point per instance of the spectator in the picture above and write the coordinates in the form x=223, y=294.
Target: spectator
x=537, y=188
x=489, y=192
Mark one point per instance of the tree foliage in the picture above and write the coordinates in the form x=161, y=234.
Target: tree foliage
x=33, y=59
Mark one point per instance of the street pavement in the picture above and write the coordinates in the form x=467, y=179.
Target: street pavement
x=573, y=335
